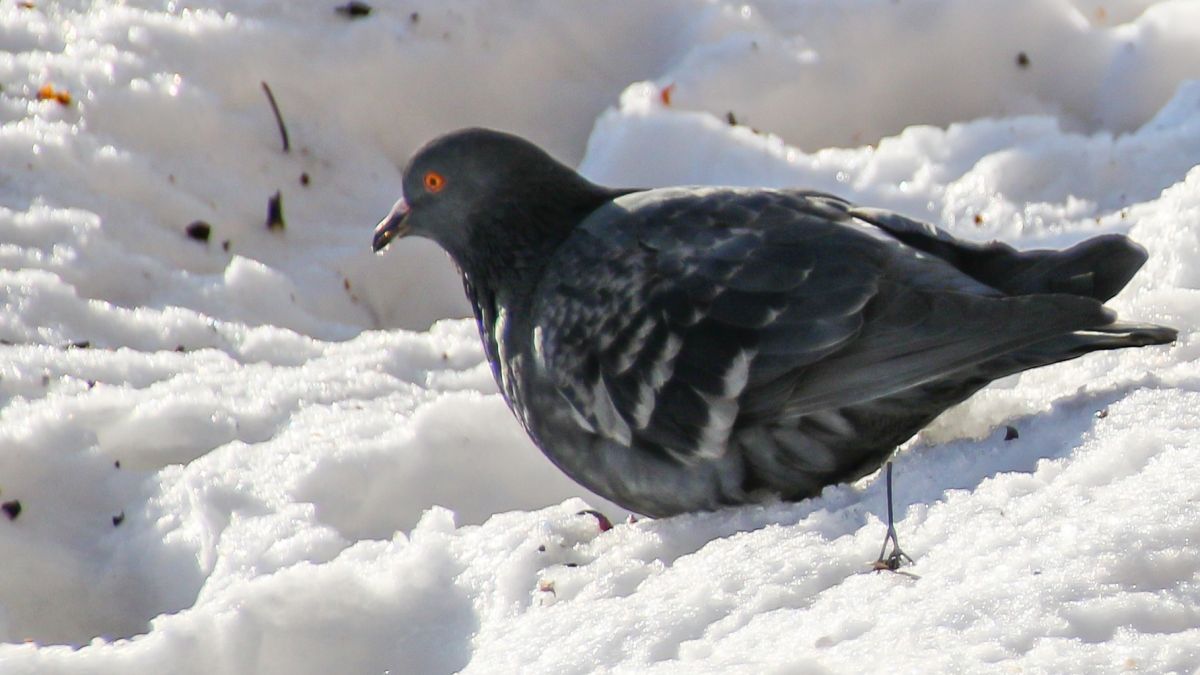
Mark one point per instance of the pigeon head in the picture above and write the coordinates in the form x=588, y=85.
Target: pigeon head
x=488, y=198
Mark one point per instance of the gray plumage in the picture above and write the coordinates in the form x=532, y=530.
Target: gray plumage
x=683, y=349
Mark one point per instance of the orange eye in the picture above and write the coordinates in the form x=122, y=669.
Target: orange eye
x=434, y=182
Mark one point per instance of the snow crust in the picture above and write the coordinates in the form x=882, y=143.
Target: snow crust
x=275, y=452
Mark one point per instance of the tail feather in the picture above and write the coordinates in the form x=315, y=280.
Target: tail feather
x=1121, y=334
x=1116, y=335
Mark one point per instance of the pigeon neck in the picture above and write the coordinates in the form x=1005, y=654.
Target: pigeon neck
x=514, y=241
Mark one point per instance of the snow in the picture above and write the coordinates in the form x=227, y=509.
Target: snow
x=285, y=454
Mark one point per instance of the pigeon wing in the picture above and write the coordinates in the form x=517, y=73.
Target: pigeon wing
x=672, y=317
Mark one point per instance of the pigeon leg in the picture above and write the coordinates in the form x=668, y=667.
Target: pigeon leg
x=897, y=557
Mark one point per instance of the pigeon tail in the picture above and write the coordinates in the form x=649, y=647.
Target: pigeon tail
x=1096, y=268
x=1116, y=335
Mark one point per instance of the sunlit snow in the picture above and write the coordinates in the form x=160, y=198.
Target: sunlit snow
x=276, y=452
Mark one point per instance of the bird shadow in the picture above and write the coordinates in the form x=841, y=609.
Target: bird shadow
x=923, y=474
x=793, y=553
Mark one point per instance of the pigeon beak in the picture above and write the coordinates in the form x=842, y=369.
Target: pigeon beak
x=393, y=226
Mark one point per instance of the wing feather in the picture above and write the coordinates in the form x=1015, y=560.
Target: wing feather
x=673, y=319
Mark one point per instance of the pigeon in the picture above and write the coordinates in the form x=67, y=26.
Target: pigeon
x=685, y=349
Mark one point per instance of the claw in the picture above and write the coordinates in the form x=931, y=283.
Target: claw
x=601, y=519
x=891, y=562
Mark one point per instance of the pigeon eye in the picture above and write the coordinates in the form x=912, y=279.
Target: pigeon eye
x=434, y=182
